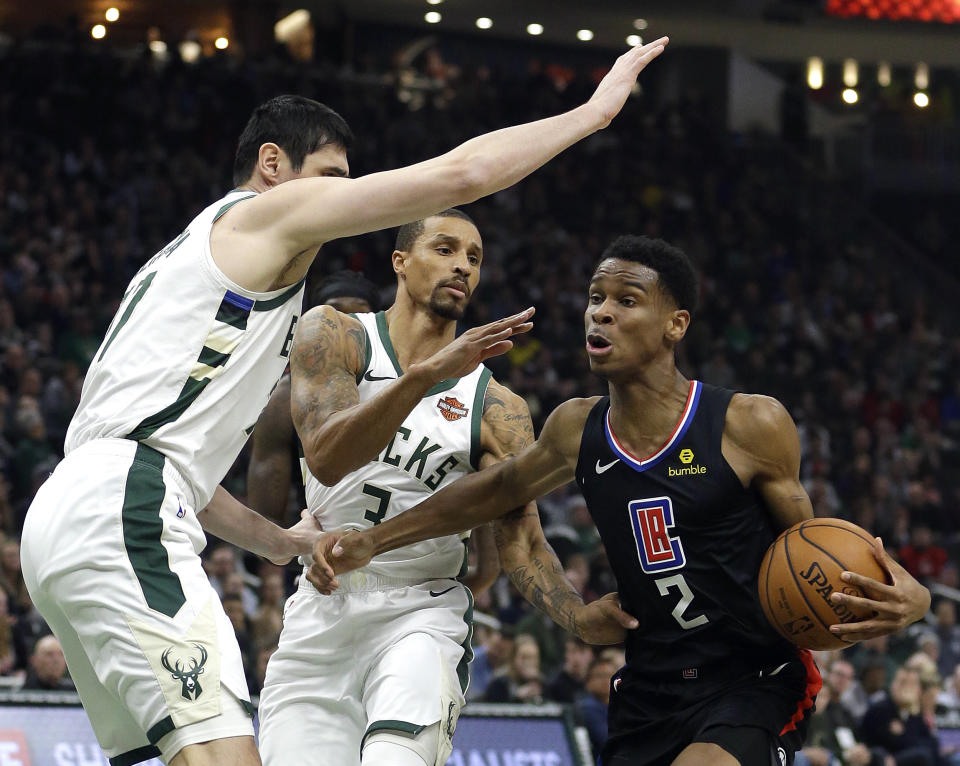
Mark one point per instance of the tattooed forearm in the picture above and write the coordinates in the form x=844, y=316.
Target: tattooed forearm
x=542, y=582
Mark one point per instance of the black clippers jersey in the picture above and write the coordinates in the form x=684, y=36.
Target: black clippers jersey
x=685, y=541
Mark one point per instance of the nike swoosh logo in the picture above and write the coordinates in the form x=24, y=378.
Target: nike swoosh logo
x=607, y=467
x=435, y=594
x=374, y=378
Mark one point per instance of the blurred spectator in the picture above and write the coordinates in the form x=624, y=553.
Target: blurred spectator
x=569, y=681
x=922, y=557
x=48, y=668
x=833, y=734
x=493, y=649
x=590, y=707
x=896, y=725
x=13, y=657
x=523, y=682
x=233, y=606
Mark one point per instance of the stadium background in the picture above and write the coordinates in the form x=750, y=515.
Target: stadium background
x=805, y=154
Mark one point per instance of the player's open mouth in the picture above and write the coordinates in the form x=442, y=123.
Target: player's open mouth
x=597, y=345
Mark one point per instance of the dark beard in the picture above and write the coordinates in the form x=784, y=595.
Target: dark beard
x=445, y=307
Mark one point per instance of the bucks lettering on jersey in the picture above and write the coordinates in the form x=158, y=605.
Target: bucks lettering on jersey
x=438, y=443
x=190, y=359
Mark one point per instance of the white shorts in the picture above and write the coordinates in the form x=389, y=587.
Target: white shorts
x=110, y=557
x=392, y=658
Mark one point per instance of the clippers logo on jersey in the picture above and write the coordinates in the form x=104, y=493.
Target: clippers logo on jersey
x=651, y=518
x=451, y=408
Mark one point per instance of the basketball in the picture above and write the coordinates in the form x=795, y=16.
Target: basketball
x=802, y=569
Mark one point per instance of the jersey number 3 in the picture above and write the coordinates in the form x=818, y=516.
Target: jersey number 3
x=651, y=519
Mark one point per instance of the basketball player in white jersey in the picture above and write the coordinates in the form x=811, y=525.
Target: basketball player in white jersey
x=111, y=541
x=389, y=407
x=275, y=448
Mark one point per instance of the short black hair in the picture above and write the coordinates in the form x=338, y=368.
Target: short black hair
x=675, y=273
x=346, y=284
x=409, y=232
x=298, y=125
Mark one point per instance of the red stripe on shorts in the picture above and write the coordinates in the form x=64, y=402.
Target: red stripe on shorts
x=814, y=684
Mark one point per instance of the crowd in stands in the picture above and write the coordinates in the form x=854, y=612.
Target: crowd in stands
x=105, y=157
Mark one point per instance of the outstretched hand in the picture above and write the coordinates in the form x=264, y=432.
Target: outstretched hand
x=611, y=94
x=472, y=348
x=337, y=552
x=603, y=621
x=895, y=606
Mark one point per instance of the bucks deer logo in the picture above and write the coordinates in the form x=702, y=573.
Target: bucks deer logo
x=190, y=678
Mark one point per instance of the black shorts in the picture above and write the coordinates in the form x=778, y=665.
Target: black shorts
x=761, y=720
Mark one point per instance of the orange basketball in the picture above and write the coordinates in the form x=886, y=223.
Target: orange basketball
x=802, y=569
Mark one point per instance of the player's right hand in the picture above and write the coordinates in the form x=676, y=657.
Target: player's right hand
x=603, y=621
x=611, y=94
x=467, y=352
x=337, y=552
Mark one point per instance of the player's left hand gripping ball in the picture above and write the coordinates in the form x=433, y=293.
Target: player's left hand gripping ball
x=895, y=606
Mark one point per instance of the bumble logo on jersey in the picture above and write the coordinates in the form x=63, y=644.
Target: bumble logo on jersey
x=686, y=457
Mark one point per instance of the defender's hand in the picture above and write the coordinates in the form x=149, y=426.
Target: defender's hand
x=337, y=552
x=300, y=538
x=896, y=606
x=468, y=351
x=603, y=621
x=611, y=94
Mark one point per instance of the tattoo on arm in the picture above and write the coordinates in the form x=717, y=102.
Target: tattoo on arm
x=508, y=419
x=324, y=363
x=543, y=583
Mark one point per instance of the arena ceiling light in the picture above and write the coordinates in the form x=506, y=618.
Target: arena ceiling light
x=884, y=74
x=921, y=77
x=434, y=2
x=190, y=51
x=851, y=73
x=484, y=23
x=634, y=40
x=640, y=24
x=534, y=29
x=850, y=96
x=585, y=35
x=921, y=99
x=98, y=32
x=815, y=72
x=221, y=43
x=432, y=17
x=112, y=14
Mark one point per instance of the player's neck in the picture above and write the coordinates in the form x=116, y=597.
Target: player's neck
x=645, y=409
x=417, y=334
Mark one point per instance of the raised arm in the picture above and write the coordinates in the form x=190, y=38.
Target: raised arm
x=268, y=475
x=468, y=502
x=302, y=214
x=340, y=433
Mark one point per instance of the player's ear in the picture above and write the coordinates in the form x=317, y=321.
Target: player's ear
x=399, y=260
x=268, y=161
x=677, y=324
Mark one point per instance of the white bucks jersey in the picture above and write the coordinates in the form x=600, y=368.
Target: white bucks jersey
x=438, y=443
x=190, y=359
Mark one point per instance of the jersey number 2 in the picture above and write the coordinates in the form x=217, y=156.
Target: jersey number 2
x=659, y=551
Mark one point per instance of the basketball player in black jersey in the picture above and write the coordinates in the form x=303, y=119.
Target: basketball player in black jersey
x=707, y=680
